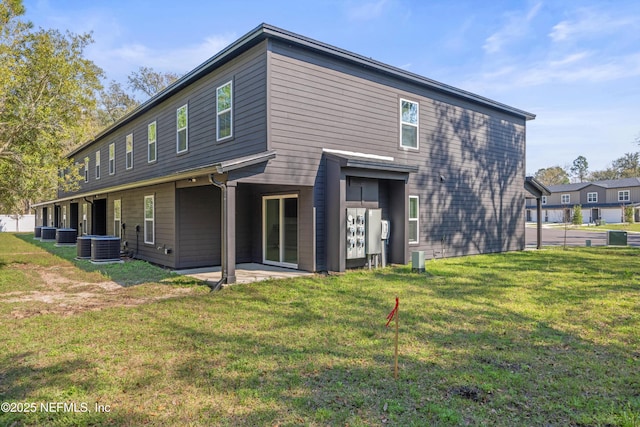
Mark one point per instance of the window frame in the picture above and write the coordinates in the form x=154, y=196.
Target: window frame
x=97, y=167
x=150, y=220
x=567, y=201
x=591, y=198
x=117, y=217
x=128, y=150
x=85, y=220
x=416, y=125
x=152, y=142
x=86, y=169
x=626, y=194
x=112, y=158
x=416, y=220
x=185, y=129
x=229, y=110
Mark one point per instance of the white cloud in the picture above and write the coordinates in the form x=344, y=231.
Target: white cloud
x=121, y=60
x=367, y=11
x=517, y=26
x=590, y=23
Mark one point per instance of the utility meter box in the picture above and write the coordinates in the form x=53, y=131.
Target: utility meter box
x=617, y=238
x=374, y=231
x=356, y=233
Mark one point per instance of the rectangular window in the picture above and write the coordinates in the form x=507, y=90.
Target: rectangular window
x=149, y=232
x=86, y=169
x=64, y=216
x=224, y=104
x=151, y=143
x=112, y=158
x=565, y=199
x=414, y=217
x=409, y=124
x=97, y=165
x=624, y=196
x=592, y=197
x=129, y=151
x=544, y=200
x=84, y=219
x=117, y=218
x=182, y=121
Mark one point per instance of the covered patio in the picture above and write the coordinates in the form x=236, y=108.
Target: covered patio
x=245, y=273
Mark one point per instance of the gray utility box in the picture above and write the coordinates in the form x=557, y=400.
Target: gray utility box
x=617, y=238
x=417, y=261
x=374, y=231
x=356, y=235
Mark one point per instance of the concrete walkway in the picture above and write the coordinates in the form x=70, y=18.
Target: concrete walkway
x=245, y=273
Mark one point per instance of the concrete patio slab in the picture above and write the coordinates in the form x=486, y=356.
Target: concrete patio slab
x=245, y=273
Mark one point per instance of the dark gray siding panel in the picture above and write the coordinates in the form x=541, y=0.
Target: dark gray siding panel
x=133, y=215
x=318, y=102
x=248, y=73
x=198, y=224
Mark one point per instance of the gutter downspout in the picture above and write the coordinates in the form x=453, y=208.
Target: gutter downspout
x=223, y=235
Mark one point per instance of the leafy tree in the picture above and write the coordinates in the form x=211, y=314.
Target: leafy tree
x=628, y=166
x=114, y=103
x=577, y=215
x=149, y=82
x=47, y=91
x=554, y=175
x=580, y=168
x=604, y=175
x=629, y=214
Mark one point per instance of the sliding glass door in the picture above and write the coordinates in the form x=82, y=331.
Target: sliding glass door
x=280, y=230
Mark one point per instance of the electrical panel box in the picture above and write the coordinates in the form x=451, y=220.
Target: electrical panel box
x=356, y=239
x=386, y=229
x=374, y=231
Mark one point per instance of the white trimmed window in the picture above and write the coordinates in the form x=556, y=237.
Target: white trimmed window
x=182, y=123
x=544, y=200
x=152, y=151
x=592, y=197
x=64, y=216
x=565, y=199
x=414, y=218
x=84, y=219
x=86, y=169
x=224, y=117
x=97, y=164
x=129, y=151
x=112, y=158
x=117, y=218
x=624, y=196
x=409, y=113
x=149, y=219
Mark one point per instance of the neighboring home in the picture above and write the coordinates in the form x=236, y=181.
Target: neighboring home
x=599, y=200
x=256, y=155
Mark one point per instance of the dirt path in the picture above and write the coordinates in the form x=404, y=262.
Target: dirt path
x=53, y=292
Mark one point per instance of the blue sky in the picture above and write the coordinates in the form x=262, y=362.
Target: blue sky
x=575, y=64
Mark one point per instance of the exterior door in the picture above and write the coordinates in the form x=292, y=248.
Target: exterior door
x=280, y=230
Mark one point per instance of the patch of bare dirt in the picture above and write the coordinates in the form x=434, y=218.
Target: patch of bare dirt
x=67, y=296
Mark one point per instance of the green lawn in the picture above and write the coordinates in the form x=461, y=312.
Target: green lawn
x=526, y=338
x=605, y=227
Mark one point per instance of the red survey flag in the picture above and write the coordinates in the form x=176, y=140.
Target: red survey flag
x=393, y=313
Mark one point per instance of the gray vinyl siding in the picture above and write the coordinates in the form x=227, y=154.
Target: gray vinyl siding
x=198, y=226
x=248, y=73
x=133, y=214
x=317, y=102
x=612, y=194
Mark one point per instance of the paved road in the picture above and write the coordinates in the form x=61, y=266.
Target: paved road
x=554, y=236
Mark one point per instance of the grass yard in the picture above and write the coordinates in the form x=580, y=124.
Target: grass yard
x=528, y=338
x=625, y=227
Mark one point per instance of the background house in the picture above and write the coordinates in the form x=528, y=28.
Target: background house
x=600, y=200
x=256, y=155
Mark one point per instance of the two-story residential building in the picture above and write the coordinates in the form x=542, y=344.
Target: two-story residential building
x=599, y=200
x=256, y=155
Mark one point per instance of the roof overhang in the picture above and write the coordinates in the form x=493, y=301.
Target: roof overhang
x=535, y=187
x=348, y=159
x=219, y=167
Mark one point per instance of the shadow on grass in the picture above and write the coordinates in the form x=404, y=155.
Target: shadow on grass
x=129, y=273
